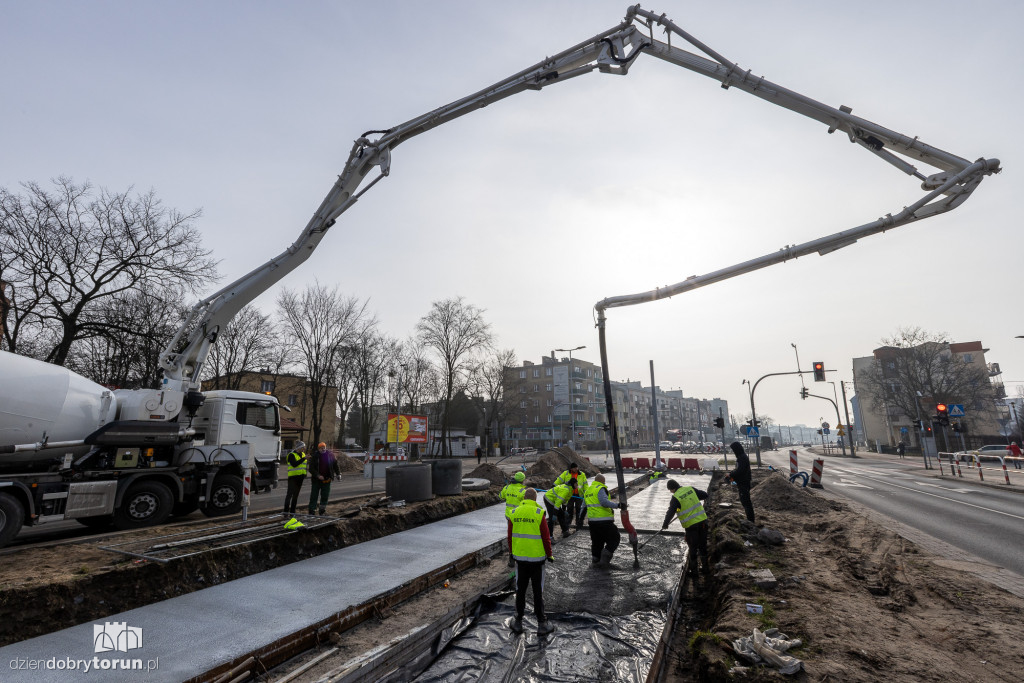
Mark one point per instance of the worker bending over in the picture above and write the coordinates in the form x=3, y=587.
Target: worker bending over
x=555, y=500
x=686, y=506
x=513, y=493
x=604, y=535
x=529, y=544
x=577, y=481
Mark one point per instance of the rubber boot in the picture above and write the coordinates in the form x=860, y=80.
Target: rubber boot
x=606, y=557
x=544, y=627
x=517, y=625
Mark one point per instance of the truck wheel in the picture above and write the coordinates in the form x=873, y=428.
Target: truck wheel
x=98, y=522
x=12, y=516
x=226, y=496
x=145, y=504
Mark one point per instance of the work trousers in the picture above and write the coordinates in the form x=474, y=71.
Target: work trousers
x=291, y=498
x=697, y=544
x=744, y=492
x=527, y=573
x=554, y=512
x=603, y=534
x=319, y=489
x=574, y=510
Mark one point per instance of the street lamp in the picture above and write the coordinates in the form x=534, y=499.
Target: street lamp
x=572, y=415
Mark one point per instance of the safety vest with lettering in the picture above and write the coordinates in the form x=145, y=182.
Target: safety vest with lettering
x=297, y=470
x=595, y=510
x=566, y=478
x=527, y=543
x=690, y=510
x=558, y=495
x=513, y=495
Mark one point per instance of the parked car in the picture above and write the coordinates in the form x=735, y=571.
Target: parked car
x=992, y=452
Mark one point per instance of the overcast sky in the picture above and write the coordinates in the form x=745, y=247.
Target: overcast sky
x=539, y=206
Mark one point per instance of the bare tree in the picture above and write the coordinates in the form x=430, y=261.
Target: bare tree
x=320, y=324
x=915, y=369
x=66, y=251
x=372, y=358
x=486, y=387
x=248, y=343
x=126, y=350
x=453, y=330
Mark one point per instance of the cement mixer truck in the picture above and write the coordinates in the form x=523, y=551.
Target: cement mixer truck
x=72, y=449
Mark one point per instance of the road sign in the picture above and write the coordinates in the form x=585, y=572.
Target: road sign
x=903, y=430
x=826, y=430
x=824, y=425
x=754, y=431
x=956, y=410
x=840, y=431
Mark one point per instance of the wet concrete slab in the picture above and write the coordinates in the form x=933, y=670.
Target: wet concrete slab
x=187, y=635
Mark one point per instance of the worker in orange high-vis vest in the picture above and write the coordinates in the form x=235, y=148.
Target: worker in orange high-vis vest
x=529, y=545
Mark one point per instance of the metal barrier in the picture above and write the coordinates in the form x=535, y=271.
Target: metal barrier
x=955, y=470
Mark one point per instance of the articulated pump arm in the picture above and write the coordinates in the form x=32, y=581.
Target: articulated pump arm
x=611, y=52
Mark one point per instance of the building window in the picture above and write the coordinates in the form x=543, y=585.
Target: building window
x=522, y=374
x=550, y=403
x=590, y=388
x=536, y=404
x=547, y=372
x=536, y=388
x=536, y=372
x=293, y=400
x=549, y=418
x=547, y=387
x=267, y=386
x=522, y=389
x=536, y=419
x=968, y=357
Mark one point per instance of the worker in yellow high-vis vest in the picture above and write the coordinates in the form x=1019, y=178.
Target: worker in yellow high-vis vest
x=688, y=508
x=296, y=475
x=529, y=545
x=513, y=493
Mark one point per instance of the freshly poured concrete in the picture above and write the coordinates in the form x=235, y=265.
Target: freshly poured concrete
x=193, y=633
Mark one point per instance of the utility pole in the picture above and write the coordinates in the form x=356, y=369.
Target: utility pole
x=654, y=417
x=849, y=425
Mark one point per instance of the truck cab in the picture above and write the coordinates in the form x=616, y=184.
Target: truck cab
x=235, y=417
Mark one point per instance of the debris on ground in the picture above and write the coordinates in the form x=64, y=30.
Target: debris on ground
x=349, y=464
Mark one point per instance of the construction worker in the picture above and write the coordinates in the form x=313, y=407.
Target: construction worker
x=577, y=481
x=604, y=535
x=555, y=500
x=323, y=467
x=296, y=475
x=529, y=544
x=687, y=508
x=741, y=475
x=513, y=493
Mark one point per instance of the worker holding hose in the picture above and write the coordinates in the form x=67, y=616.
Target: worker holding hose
x=604, y=535
x=577, y=481
x=689, y=510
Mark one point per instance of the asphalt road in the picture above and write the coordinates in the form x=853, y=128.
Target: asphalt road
x=984, y=520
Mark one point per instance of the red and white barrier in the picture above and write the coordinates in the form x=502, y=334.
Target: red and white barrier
x=819, y=465
x=387, y=457
x=246, y=482
x=1005, y=473
x=793, y=467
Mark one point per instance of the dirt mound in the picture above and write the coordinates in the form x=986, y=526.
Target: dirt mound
x=491, y=473
x=774, y=492
x=349, y=464
x=553, y=463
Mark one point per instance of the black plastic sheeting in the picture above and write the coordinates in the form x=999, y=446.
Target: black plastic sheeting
x=607, y=620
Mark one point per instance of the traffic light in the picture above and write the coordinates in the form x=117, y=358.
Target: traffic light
x=942, y=413
x=819, y=371
x=720, y=423
x=804, y=392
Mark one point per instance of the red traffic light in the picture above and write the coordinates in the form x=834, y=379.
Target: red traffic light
x=941, y=409
x=819, y=371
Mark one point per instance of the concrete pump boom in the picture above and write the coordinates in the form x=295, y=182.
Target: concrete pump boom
x=611, y=52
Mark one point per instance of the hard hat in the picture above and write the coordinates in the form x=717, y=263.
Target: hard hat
x=299, y=445
x=519, y=476
x=321, y=445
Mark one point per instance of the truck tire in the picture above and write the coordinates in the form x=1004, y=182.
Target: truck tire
x=12, y=516
x=225, y=497
x=144, y=504
x=98, y=522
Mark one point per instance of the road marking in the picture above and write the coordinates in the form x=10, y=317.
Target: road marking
x=852, y=484
x=945, y=488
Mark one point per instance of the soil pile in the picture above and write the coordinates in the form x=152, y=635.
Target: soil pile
x=548, y=466
x=348, y=464
x=491, y=473
x=867, y=603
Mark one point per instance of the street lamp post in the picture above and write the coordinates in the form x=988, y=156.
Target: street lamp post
x=572, y=415
x=753, y=421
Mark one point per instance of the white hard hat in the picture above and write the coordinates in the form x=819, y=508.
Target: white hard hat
x=299, y=446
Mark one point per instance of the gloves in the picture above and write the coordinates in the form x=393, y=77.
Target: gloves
x=664, y=526
x=551, y=559
x=622, y=505
x=511, y=560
